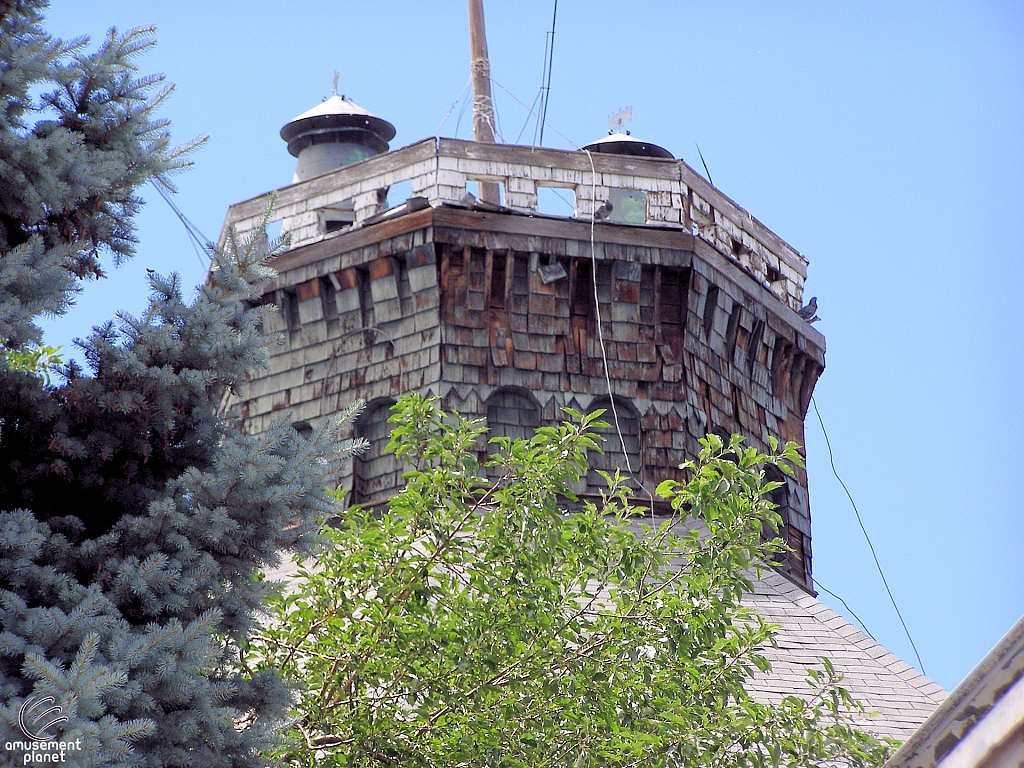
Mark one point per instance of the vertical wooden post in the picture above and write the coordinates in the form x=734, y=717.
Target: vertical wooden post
x=483, y=106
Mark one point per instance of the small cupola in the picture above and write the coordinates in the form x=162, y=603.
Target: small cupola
x=333, y=134
x=620, y=143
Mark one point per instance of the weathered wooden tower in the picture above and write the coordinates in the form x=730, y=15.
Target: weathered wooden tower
x=658, y=294
x=659, y=299
x=492, y=307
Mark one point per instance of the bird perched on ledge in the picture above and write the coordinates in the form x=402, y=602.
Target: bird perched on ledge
x=808, y=313
x=604, y=211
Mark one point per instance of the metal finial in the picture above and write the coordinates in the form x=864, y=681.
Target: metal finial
x=334, y=85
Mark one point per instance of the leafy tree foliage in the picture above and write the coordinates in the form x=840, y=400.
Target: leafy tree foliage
x=134, y=515
x=475, y=622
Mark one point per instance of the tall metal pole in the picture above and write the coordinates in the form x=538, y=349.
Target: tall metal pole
x=483, y=106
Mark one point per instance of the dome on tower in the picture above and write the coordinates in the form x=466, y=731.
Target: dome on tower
x=333, y=134
x=624, y=144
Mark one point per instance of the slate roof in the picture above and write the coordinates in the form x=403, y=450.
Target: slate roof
x=897, y=697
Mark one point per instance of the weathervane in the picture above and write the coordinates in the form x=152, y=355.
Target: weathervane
x=616, y=120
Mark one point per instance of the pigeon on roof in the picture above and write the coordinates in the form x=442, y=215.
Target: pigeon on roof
x=808, y=312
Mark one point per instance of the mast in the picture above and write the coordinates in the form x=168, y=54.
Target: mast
x=483, y=106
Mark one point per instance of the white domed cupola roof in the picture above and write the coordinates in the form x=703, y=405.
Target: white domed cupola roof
x=335, y=133
x=623, y=144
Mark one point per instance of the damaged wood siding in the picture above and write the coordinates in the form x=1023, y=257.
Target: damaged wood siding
x=687, y=351
x=363, y=324
x=496, y=315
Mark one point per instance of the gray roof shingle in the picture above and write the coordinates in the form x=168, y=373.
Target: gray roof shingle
x=896, y=697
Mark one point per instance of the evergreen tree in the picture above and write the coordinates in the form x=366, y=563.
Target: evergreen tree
x=134, y=516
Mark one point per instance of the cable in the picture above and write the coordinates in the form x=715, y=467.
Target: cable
x=559, y=196
x=600, y=336
x=455, y=103
x=519, y=101
x=462, y=112
x=547, y=88
x=867, y=538
x=823, y=588
x=527, y=121
x=190, y=228
x=597, y=303
x=540, y=91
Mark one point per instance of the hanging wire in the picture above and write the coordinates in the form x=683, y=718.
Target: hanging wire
x=600, y=337
x=867, y=538
x=823, y=588
x=597, y=304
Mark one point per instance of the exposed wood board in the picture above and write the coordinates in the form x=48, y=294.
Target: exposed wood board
x=350, y=174
x=349, y=241
x=766, y=298
x=563, y=229
x=740, y=216
x=560, y=229
x=627, y=165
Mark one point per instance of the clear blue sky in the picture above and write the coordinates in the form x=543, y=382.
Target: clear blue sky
x=884, y=141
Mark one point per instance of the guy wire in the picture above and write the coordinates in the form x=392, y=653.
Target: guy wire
x=547, y=88
x=454, y=104
x=864, y=530
x=190, y=228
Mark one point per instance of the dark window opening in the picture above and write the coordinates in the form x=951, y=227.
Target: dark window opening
x=583, y=291
x=773, y=275
x=674, y=286
x=304, y=429
x=779, y=499
x=290, y=309
x=455, y=262
x=710, y=308
x=732, y=331
x=365, y=298
x=723, y=434
x=613, y=458
x=377, y=473
x=781, y=365
x=327, y=298
x=513, y=413
x=497, y=298
x=754, y=345
x=404, y=287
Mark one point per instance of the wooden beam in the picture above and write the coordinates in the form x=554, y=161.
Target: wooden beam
x=483, y=106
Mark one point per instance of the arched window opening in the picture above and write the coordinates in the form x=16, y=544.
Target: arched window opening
x=723, y=434
x=513, y=413
x=377, y=474
x=613, y=457
x=780, y=499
